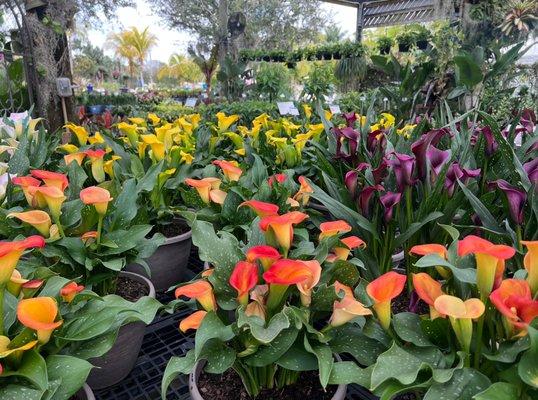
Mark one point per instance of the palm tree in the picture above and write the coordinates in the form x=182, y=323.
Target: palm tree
x=181, y=68
x=207, y=64
x=121, y=43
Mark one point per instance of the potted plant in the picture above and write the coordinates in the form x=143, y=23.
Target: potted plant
x=337, y=51
x=278, y=56
x=405, y=40
x=422, y=36
x=384, y=44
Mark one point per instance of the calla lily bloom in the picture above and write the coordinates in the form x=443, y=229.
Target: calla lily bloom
x=231, y=171
x=69, y=291
x=305, y=287
x=428, y=289
x=76, y=157
x=261, y=208
x=348, y=308
x=96, y=196
x=200, y=290
x=516, y=200
x=257, y=309
x=204, y=186
x=14, y=286
x=80, y=132
x=243, y=278
x=382, y=290
x=455, y=172
x=278, y=229
x=531, y=168
x=403, y=166
x=365, y=197
x=461, y=314
x=433, y=248
x=351, y=242
x=531, y=264
x=491, y=143
x=280, y=178
x=224, y=122
x=6, y=351
x=96, y=160
x=514, y=301
x=53, y=179
x=305, y=190
x=421, y=146
x=131, y=131
x=193, y=321
x=350, y=180
x=27, y=182
x=266, y=254
x=437, y=159
x=11, y=252
x=488, y=256
x=39, y=314
x=53, y=197
x=333, y=228
x=217, y=196
x=40, y=220
x=389, y=200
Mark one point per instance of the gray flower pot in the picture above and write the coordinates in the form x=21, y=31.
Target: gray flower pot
x=340, y=393
x=115, y=365
x=168, y=265
x=85, y=393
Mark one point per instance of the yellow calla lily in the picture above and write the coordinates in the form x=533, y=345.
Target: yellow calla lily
x=138, y=121
x=307, y=111
x=68, y=148
x=224, y=122
x=387, y=120
x=154, y=118
x=131, y=131
x=6, y=351
x=96, y=139
x=80, y=132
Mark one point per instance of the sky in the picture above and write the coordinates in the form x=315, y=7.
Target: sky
x=171, y=41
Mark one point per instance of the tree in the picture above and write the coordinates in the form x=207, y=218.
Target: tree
x=182, y=69
x=272, y=24
x=207, y=61
x=334, y=34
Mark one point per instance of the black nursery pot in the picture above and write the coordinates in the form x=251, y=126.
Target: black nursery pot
x=422, y=44
x=168, y=265
x=384, y=50
x=114, y=366
x=403, y=48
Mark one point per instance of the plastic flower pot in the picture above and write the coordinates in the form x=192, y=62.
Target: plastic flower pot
x=403, y=47
x=96, y=109
x=340, y=393
x=85, y=393
x=422, y=44
x=168, y=265
x=115, y=365
x=384, y=50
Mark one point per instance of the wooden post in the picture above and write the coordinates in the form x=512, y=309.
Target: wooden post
x=360, y=20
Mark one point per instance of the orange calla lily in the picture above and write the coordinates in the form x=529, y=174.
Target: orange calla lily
x=54, y=179
x=11, y=252
x=86, y=237
x=193, y=321
x=348, y=308
x=69, y=291
x=53, y=197
x=243, y=278
x=531, y=264
x=231, y=171
x=39, y=314
x=96, y=160
x=96, y=196
x=254, y=308
x=217, y=196
x=461, y=314
x=40, y=220
x=200, y=290
x=382, y=290
x=14, y=286
x=305, y=287
x=76, y=157
x=26, y=182
x=351, y=242
x=305, y=190
x=333, y=228
x=261, y=208
x=432, y=248
x=204, y=186
x=514, y=301
x=428, y=289
x=279, y=228
x=488, y=256
x=266, y=254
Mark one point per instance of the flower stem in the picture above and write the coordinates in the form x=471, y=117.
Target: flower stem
x=59, y=225
x=478, y=352
x=99, y=229
x=2, y=290
x=519, y=238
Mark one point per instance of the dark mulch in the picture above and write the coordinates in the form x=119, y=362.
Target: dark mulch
x=228, y=386
x=131, y=289
x=401, y=304
x=175, y=228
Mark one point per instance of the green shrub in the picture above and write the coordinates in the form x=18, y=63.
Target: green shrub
x=273, y=81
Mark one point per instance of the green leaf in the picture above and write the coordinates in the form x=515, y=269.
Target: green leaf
x=407, y=372
x=259, y=331
x=298, y=359
x=350, y=340
x=509, y=351
x=464, y=385
x=20, y=392
x=467, y=275
x=175, y=367
x=219, y=357
x=499, y=391
x=211, y=328
x=345, y=273
x=325, y=360
x=70, y=371
x=347, y=372
x=149, y=180
x=125, y=208
x=407, y=326
x=468, y=72
x=33, y=369
x=481, y=210
x=415, y=227
x=94, y=347
x=528, y=367
x=266, y=355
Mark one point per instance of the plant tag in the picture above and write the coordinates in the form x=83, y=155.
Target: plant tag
x=287, y=108
x=191, y=102
x=335, y=109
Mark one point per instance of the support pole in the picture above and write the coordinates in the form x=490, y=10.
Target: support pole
x=360, y=21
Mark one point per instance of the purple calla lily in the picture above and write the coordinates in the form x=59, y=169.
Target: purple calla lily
x=516, y=200
x=455, y=172
x=380, y=172
x=350, y=117
x=376, y=140
x=420, y=149
x=403, y=166
x=365, y=197
x=353, y=140
x=491, y=143
x=350, y=181
x=531, y=168
x=389, y=200
x=437, y=159
x=528, y=120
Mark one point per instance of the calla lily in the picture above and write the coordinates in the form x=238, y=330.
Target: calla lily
x=278, y=229
x=461, y=314
x=6, y=351
x=365, y=197
x=80, y=132
x=11, y=252
x=333, y=228
x=516, y=200
x=421, y=146
x=266, y=254
x=204, y=186
x=403, y=166
x=224, y=122
x=231, y=172
x=305, y=190
x=433, y=248
x=350, y=180
x=14, y=286
x=39, y=314
x=96, y=196
x=88, y=237
x=26, y=182
x=279, y=178
x=76, y=157
x=491, y=143
x=131, y=131
x=69, y=291
x=257, y=309
x=351, y=242
x=200, y=290
x=154, y=118
x=348, y=308
x=40, y=220
x=428, y=289
x=217, y=196
x=243, y=278
x=531, y=264
x=96, y=160
x=389, y=200
x=455, y=172
x=382, y=290
x=305, y=287
x=437, y=159
x=193, y=321
x=108, y=166
x=53, y=197
x=53, y=179
x=531, y=168
x=488, y=256
x=261, y=208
